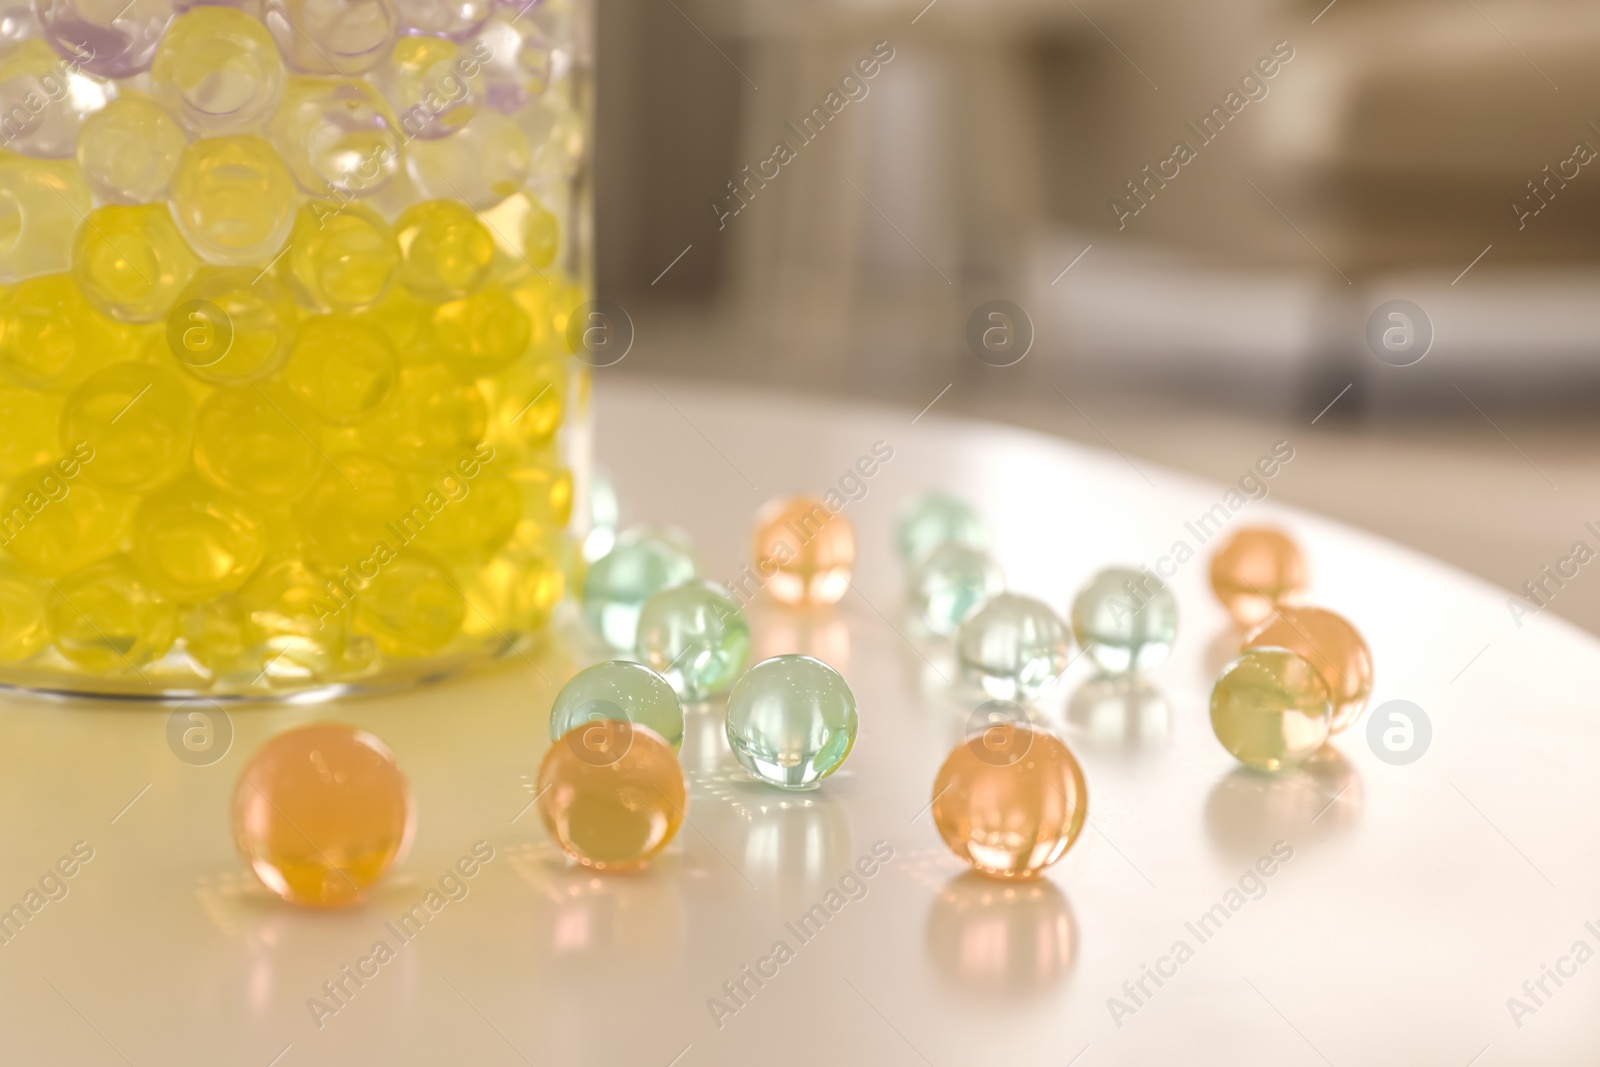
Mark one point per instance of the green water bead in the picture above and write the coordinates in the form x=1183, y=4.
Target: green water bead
x=791, y=721
x=1125, y=619
x=1014, y=646
x=934, y=518
x=643, y=562
x=1271, y=709
x=694, y=636
x=950, y=582
x=617, y=690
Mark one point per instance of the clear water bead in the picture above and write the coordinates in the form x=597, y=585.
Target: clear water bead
x=618, y=691
x=791, y=721
x=950, y=583
x=1014, y=646
x=933, y=518
x=694, y=636
x=644, y=562
x=1125, y=619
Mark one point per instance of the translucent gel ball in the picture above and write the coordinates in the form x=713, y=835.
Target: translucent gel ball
x=929, y=520
x=341, y=257
x=444, y=18
x=192, y=540
x=233, y=198
x=517, y=589
x=407, y=320
x=348, y=508
x=336, y=137
x=611, y=794
x=1270, y=709
x=472, y=528
x=1010, y=800
x=445, y=252
x=108, y=38
x=346, y=37
x=433, y=85
x=950, y=583
x=1254, y=570
x=24, y=620
x=108, y=620
x=644, y=562
x=286, y=612
x=43, y=100
x=791, y=721
x=217, y=70
x=529, y=400
x=480, y=334
x=413, y=607
x=541, y=236
x=341, y=367
x=519, y=63
x=618, y=689
x=63, y=532
x=128, y=150
x=483, y=164
x=804, y=551
x=132, y=262
x=51, y=337
x=32, y=424
x=321, y=812
x=138, y=417
x=546, y=495
x=232, y=326
x=255, y=443
x=42, y=204
x=1125, y=619
x=1013, y=646
x=1330, y=644
x=694, y=636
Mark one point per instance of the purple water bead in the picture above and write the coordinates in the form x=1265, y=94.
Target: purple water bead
x=109, y=38
x=333, y=36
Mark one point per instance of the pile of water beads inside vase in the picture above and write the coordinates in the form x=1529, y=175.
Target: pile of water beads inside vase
x=283, y=295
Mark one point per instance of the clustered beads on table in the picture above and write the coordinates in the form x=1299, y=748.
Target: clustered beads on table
x=282, y=359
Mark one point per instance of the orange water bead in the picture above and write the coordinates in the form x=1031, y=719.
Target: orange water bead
x=321, y=812
x=1333, y=646
x=804, y=551
x=611, y=794
x=1010, y=800
x=1255, y=570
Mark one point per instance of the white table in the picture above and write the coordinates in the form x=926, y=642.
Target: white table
x=1418, y=899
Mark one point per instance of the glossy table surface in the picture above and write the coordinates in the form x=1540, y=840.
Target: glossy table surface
x=1415, y=901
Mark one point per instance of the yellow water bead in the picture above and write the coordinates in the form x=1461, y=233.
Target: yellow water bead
x=411, y=607
x=445, y=251
x=32, y=423
x=108, y=620
x=541, y=236
x=24, y=618
x=232, y=325
x=352, y=505
x=480, y=334
x=128, y=150
x=291, y=614
x=255, y=440
x=342, y=257
x=528, y=402
x=53, y=338
x=233, y=198
x=53, y=522
x=192, y=540
x=478, y=515
x=341, y=368
x=431, y=419
x=131, y=261
x=138, y=418
x=407, y=322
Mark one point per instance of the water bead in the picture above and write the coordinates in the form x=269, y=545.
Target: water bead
x=289, y=614
x=17, y=21
x=320, y=813
x=559, y=138
x=541, y=236
x=618, y=690
x=791, y=721
x=407, y=322
x=345, y=37
x=529, y=402
x=478, y=521
x=215, y=635
x=192, y=540
x=1013, y=646
x=804, y=551
x=52, y=337
x=232, y=325
x=138, y=417
x=24, y=620
x=341, y=367
x=342, y=257
x=694, y=636
x=233, y=198
x=517, y=589
x=1330, y=644
x=445, y=252
x=43, y=99
x=1271, y=709
x=644, y=562
x=128, y=151
x=217, y=70
x=432, y=86
x=32, y=424
x=412, y=608
x=432, y=419
x=929, y=520
x=483, y=164
x=132, y=261
x=349, y=507
x=443, y=18
x=611, y=795
x=1126, y=620
x=336, y=137
x=51, y=532
x=519, y=61
x=1254, y=570
x=1010, y=800
x=42, y=204
x=108, y=38
x=480, y=334
x=546, y=494
x=950, y=582
x=254, y=442
x=107, y=619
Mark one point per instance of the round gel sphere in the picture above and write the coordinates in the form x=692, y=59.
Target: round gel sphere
x=1125, y=619
x=950, y=583
x=320, y=813
x=933, y=518
x=1014, y=646
x=611, y=794
x=1010, y=799
x=694, y=636
x=644, y=562
x=791, y=721
x=1270, y=708
x=804, y=551
x=1331, y=645
x=618, y=690
x=1255, y=570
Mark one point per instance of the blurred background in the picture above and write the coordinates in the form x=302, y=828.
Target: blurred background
x=1198, y=212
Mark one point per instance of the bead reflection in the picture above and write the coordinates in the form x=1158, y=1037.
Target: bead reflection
x=589, y=924
x=1248, y=809
x=820, y=634
x=1001, y=940
x=1121, y=712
